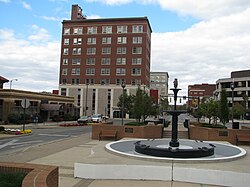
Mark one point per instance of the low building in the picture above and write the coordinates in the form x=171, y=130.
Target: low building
x=45, y=105
x=199, y=93
x=241, y=88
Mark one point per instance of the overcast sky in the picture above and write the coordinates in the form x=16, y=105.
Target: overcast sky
x=194, y=41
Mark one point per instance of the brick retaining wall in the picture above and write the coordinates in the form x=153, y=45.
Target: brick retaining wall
x=37, y=175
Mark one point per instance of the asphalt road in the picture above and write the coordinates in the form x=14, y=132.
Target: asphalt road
x=40, y=136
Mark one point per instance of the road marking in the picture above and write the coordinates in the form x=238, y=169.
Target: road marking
x=8, y=143
x=59, y=135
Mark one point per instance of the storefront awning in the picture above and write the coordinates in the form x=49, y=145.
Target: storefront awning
x=50, y=107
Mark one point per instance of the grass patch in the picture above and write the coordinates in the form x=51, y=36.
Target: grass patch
x=11, y=179
x=213, y=126
x=134, y=123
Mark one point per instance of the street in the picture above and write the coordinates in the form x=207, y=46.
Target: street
x=40, y=136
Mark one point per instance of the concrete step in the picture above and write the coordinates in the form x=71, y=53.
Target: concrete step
x=181, y=134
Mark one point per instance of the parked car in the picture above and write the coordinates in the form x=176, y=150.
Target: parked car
x=84, y=119
x=96, y=118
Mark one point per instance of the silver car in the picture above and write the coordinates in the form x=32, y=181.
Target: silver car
x=97, y=118
x=84, y=119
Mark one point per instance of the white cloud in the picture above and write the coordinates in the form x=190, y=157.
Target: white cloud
x=206, y=52
x=40, y=34
x=34, y=65
x=5, y=1
x=26, y=5
x=93, y=16
x=50, y=18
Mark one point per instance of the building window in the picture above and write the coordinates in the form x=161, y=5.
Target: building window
x=76, y=61
x=78, y=30
x=136, y=82
x=64, y=71
x=64, y=81
x=120, y=71
x=137, y=50
x=65, y=51
x=63, y=91
x=105, y=61
x=136, y=61
x=105, y=71
x=90, y=81
x=91, y=51
x=121, y=61
x=65, y=61
x=66, y=31
x=121, y=50
x=90, y=71
x=137, y=40
x=75, y=81
x=122, y=29
x=77, y=41
x=90, y=61
x=76, y=51
x=119, y=81
x=66, y=41
x=92, y=30
x=136, y=71
x=107, y=29
x=91, y=41
x=106, y=40
x=137, y=29
x=75, y=71
x=122, y=40
x=105, y=81
x=106, y=50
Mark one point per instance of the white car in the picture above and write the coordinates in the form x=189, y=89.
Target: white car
x=96, y=118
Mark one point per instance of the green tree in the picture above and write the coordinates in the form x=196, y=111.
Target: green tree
x=223, y=108
x=239, y=110
x=210, y=110
x=128, y=103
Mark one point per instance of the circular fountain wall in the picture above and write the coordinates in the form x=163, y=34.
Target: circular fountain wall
x=222, y=152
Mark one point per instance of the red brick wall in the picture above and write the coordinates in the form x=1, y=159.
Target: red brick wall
x=37, y=175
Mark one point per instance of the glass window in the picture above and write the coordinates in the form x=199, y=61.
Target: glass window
x=65, y=51
x=136, y=71
x=90, y=61
x=76, y=61
x=120, y=71
x=137, y=40
x=92, y=30
x=90, y=71
x=137, y=29
x=64, y=71
x=91, y=51
x=66, y=31
x=137, y=50
x=107, y=29
x=65, y=61
x=106, y=40
x=105, y=71
x=75, y=71
x=66, y=41
x=77, y=41
x=122, y=40
x=136, y=61
x=78, y=30
x=122, y=29
x=105, y=61
x=121, y=50
x=121, y=61
x=106, y=50
x=105, y=81
x=91, y=41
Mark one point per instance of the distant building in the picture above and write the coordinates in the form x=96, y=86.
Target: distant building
x=198, y=93
x=2, y=81
x=98, y=55
x=159, y=82
x=241, y=80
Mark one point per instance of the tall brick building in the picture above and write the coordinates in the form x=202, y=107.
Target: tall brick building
x=97, y=55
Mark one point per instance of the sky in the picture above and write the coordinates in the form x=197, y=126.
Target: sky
x=194, y=41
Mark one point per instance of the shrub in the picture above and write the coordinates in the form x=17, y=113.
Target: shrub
x=12, y=179
x=1, y=128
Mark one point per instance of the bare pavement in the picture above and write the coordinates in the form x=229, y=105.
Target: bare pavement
x=65, y=153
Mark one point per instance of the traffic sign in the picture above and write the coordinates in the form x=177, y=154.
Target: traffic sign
x=25, y=103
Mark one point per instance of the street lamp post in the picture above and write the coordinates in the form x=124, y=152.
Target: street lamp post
x=232, y=86
x=123, y=87
x=12, y=81
x=86, y=98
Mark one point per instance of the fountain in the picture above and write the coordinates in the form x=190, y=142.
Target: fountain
x=175, y=149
